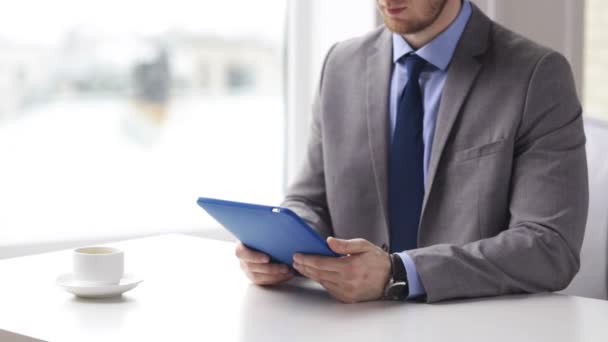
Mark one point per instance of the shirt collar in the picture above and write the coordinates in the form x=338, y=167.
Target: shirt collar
x=440, y=50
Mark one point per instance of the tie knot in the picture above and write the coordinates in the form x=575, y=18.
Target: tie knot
x=414, y=65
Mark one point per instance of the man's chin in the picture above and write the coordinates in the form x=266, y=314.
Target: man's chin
x=400, y=27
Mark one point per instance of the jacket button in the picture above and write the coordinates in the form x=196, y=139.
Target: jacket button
x=385, y=247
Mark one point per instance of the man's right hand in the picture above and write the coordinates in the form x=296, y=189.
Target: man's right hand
x=258, y=268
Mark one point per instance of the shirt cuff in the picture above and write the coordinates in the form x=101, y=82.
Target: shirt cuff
x=413, y=278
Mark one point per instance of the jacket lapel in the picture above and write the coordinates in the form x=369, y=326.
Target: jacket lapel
x=462, y=73
x=378, y=76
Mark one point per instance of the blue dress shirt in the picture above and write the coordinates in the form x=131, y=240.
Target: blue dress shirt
x=438, y=53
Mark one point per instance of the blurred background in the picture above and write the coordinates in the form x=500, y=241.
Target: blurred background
x=116, y=115
x=595, y=94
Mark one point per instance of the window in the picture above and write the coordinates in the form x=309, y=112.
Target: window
x=116, y=115
x=596, y=59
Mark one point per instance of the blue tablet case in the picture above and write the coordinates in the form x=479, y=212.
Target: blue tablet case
x=275, y=231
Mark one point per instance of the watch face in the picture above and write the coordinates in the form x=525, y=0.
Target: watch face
x=397, y=291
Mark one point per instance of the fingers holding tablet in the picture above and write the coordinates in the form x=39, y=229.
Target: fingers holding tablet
x=249, y=255
x=258, y=268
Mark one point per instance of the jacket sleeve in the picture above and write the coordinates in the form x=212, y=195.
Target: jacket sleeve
x=539, y=250
x=307, y=194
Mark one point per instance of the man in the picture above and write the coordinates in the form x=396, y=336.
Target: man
x=452, y=140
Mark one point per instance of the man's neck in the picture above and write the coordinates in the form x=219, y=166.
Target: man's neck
x=444, y=20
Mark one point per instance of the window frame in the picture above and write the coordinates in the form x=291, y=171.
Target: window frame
x=311, y=31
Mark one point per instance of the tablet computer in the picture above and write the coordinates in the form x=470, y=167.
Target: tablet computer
x=275, y=231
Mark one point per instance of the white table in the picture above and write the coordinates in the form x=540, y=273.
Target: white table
x=194, y=291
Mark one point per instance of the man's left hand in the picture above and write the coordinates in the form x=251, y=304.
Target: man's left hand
x=359, y=276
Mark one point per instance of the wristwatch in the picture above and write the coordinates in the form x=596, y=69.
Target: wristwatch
x=397, y=287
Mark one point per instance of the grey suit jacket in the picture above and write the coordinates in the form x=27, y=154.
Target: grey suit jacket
x=507, y=193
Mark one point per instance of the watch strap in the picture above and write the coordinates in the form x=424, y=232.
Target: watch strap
x=398, y=271
x=397, y=287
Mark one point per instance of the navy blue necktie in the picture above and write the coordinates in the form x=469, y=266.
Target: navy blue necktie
x=406, y=177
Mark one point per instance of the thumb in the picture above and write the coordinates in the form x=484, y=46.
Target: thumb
x=354, y=246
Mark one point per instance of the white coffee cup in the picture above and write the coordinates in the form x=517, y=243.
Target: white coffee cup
x=98, y=265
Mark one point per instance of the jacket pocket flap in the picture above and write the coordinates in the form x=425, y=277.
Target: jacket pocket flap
x=479, y=151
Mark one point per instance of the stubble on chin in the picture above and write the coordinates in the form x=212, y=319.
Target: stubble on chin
x=418, y=24
x=404, y=27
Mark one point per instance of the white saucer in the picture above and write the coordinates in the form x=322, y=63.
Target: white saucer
x=88, y=290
